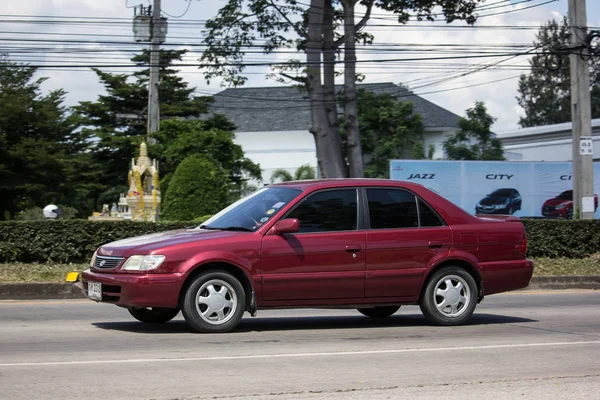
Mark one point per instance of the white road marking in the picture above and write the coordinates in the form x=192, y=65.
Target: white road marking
x=296, y=355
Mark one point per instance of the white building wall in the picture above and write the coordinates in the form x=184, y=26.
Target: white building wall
x=273, y=150
x=556, y=150
x=291, y=149
x=545, y=143
x=436, y=138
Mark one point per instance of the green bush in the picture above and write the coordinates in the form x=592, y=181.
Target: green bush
x=198, y=187
x=562, y=238
x=67, y=241
x=74, y=241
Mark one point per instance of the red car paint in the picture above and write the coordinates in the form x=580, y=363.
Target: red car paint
x=561, y=206
x=363, y=267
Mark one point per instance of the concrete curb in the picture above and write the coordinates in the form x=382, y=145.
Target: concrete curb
x=39, y=291
x=564, y=282
x=51, y=291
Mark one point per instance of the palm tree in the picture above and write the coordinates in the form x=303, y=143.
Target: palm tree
x=303, y=172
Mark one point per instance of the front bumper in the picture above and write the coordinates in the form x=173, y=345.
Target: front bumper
x=479, y=210
x=562, y=213
x=139, y=290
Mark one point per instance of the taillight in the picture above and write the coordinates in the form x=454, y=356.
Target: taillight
x=523, y=246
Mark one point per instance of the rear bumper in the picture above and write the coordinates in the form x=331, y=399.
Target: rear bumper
x=503, y=276
x=562, y=213
x=147, y=290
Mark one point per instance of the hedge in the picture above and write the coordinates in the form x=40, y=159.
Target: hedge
x=74, y=241
x=562, y=238
x=67, y=241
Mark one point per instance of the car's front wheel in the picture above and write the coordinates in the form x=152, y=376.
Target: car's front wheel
x=153, y=315
x=379, y=312
x=450, y=297
x=214, y=302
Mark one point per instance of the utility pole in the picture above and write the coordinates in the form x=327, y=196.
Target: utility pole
x=583, y=154
x=153, y=94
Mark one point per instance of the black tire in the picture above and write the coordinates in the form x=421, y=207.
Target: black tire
x=153, y=315
x=570, y=213
x=229, y=302
x=379, y=312
x=433, y=307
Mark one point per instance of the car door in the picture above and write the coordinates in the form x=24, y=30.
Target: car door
x=404, y=235
x=325, y=259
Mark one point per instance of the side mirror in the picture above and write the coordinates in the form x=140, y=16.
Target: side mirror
x=288, y=225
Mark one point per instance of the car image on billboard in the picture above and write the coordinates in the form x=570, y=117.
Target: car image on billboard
x=500, y=201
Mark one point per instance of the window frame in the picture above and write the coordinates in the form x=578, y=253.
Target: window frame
x=367, y=213
x=360, y=216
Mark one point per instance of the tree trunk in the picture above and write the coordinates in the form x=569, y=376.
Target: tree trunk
x=329, y=155
x=329, y=65
x=353, y=147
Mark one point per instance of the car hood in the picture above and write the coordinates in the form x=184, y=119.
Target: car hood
x=147, y=243
x=555, y=202
x=492, y=200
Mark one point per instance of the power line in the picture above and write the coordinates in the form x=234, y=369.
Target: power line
x=185, y=12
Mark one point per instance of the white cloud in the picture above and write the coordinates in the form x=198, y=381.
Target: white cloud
x=84, y=85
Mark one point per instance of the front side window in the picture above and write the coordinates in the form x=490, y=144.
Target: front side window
x=392, y=208
x=331, y=210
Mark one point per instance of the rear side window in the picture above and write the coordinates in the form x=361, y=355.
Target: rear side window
x=428, y=216
x=332, y=210
x=392, y=208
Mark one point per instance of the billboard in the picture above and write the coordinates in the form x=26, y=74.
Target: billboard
x=524, y=189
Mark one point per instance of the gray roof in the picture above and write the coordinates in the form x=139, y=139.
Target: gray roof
x=286, y=108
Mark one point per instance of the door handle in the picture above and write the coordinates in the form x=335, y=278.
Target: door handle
x=435, y=245
x=353, y=247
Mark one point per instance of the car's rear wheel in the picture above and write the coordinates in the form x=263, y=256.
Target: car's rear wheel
x=153, y=315
x=379, y=312
x=214, y=302
x=450, y=297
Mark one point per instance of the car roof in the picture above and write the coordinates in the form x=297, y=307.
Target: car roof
x=343, y=182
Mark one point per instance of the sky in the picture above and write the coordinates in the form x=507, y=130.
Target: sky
x=54, y=28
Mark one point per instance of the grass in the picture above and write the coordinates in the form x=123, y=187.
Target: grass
x=19, y=272
x=567, y=266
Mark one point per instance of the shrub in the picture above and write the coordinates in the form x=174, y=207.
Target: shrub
x=562, y=238
x=198, y=187
x=74, y=241
x=67, y=240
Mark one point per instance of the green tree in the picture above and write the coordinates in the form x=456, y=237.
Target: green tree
x=389, y=129
x=199, y=187
x=118, y=119
x=418, y=152
x=474, y=140
x=321, y=31
x=39, y=144
x=213, y=137
x=303, y=172
x=545, y=92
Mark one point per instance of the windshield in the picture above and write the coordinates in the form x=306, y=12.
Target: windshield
x=252, y=211
x=568, y=195
x=502, y=193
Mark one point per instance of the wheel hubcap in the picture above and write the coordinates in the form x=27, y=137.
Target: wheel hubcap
x=216, y=302
x=452, y=296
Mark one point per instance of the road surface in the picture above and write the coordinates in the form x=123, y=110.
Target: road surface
x=541, y=345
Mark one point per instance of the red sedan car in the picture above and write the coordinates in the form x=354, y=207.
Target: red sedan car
x=368, y=244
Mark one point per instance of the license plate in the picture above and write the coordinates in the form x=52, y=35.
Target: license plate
x=95, y=290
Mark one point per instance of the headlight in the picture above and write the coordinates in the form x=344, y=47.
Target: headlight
x=143, y=263
x=93, y=260
x=561, y=206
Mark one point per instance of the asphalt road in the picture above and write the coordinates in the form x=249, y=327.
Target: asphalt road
x=542, y=345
